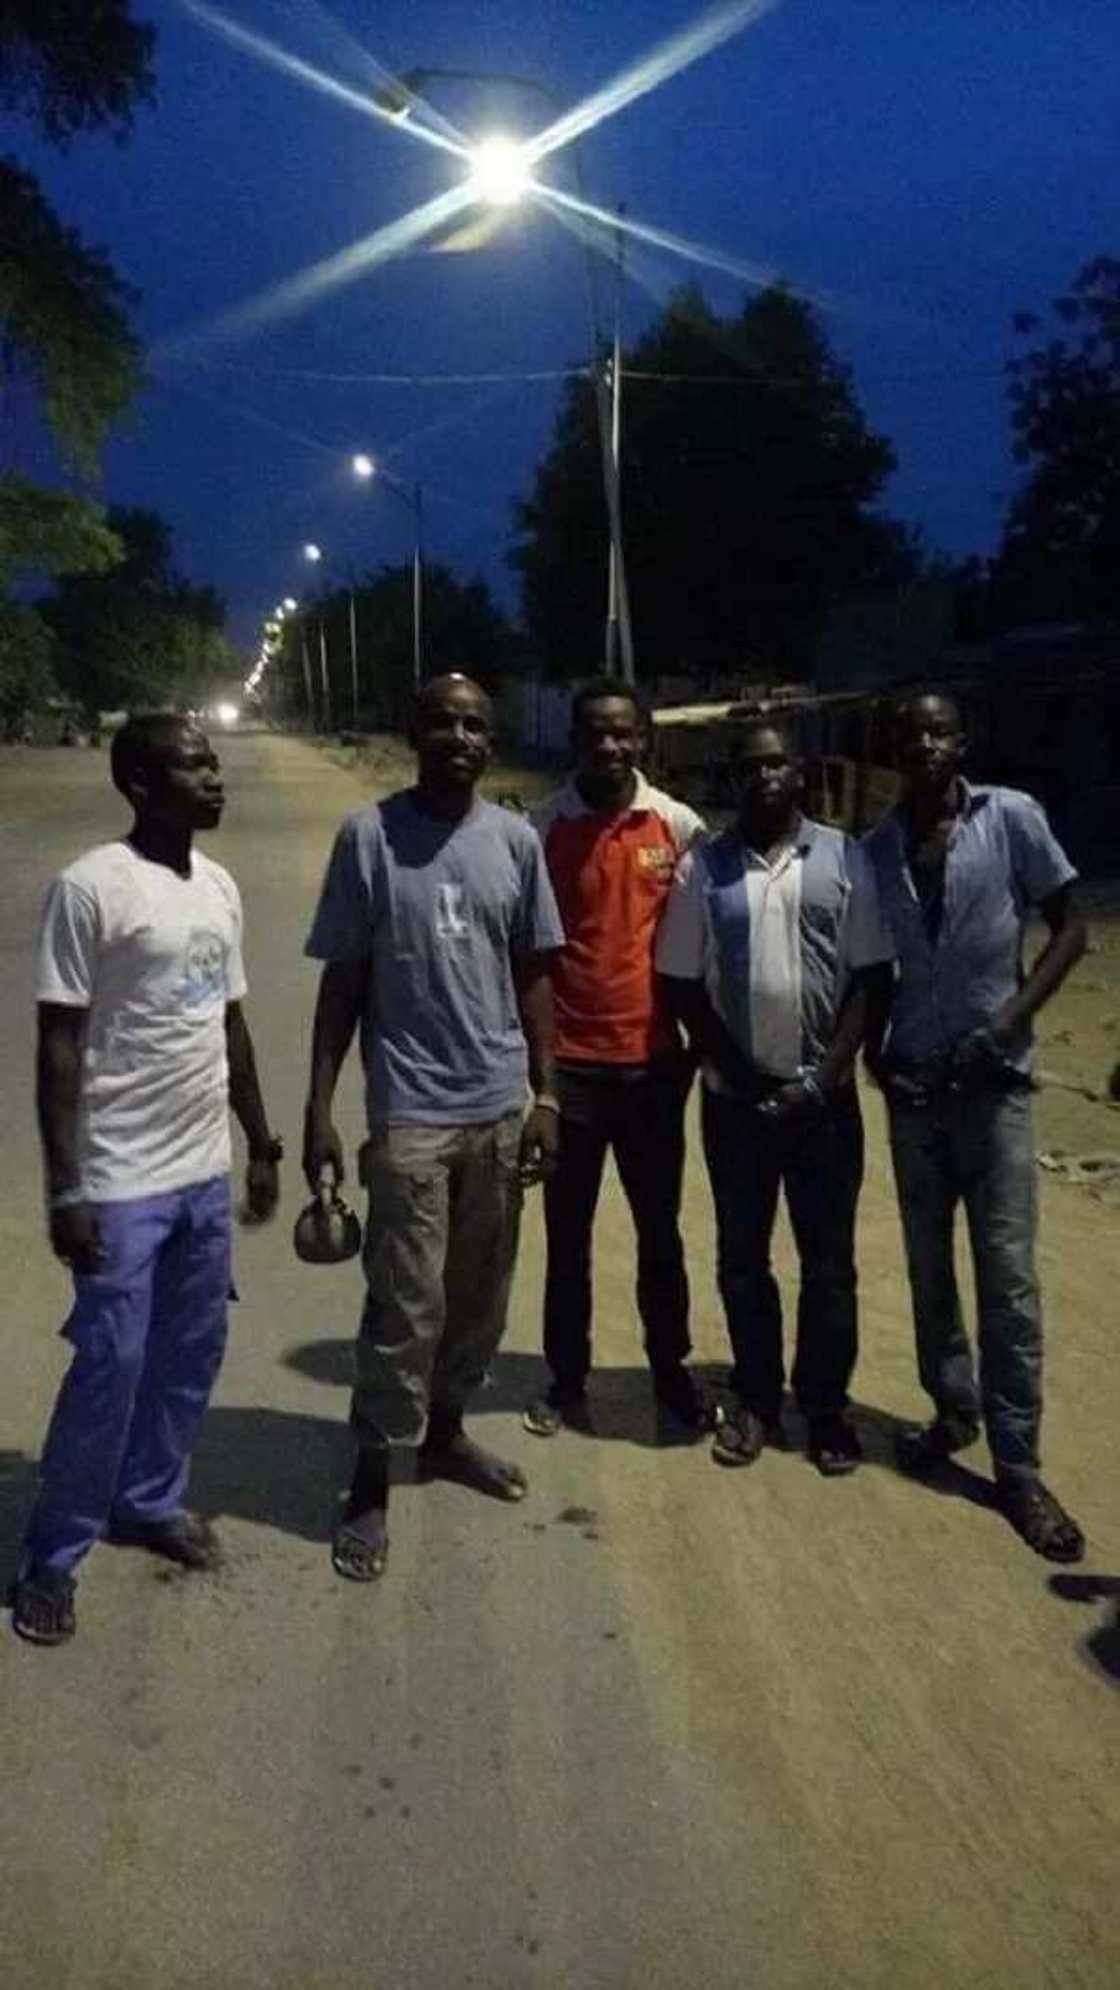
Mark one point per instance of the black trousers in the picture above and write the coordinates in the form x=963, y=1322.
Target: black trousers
x=819, y=1163
x=638, y=1114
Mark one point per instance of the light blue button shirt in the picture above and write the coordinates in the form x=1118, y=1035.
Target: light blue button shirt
x=1002, y=860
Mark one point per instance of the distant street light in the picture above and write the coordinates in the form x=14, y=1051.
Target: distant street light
x=289, y=604
x=365, y=467
x=313, y=553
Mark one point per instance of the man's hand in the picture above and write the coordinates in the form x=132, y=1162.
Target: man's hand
x=262, y=1183
x=322, y=1148
x=793, y=1102
x=980, y=1054
x=540, y=1146
x=76, y=1237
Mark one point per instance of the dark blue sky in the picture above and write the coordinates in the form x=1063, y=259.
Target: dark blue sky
x=935, y=164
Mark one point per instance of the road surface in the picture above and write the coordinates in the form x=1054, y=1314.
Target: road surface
x=660, y=1725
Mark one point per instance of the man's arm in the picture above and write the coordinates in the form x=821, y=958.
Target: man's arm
x=58, y=1079
x=540, y=1137
x=342, y=993
x=262, y=1181
x=1064, y=948
x=709, y=1039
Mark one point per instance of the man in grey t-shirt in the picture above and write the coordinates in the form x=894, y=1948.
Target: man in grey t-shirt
x=436, y=923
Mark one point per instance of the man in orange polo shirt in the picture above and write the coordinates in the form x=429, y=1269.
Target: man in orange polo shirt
x=612, y=843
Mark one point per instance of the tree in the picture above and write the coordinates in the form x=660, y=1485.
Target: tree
x=71, y=66
x=140, y=634
x=1061, y=550
x=74, y=65
x=748, y=471
x=463, y=629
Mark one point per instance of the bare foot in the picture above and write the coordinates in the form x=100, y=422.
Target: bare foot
x=459, y=1458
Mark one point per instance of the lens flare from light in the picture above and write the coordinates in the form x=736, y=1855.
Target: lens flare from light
x=500, y=171
x=306, y=72
x=677, y=52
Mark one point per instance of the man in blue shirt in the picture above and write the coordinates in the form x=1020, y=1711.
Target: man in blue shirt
x=958, y=869
x=771, y=932
x=436, y=923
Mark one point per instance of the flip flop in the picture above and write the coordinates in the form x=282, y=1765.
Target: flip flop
x=355, y=1558
x=43, y=1608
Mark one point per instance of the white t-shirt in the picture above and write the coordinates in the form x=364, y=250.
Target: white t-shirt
x=155, y=958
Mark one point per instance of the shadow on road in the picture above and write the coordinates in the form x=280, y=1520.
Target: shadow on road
x=277, y=1468
x=17, y=1491
x=1101, y=1649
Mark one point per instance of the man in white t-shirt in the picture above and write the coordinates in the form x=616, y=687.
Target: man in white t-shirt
x=143, y=1046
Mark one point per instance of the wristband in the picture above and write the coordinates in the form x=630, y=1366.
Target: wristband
x=67, y=1198
x=546, y=1102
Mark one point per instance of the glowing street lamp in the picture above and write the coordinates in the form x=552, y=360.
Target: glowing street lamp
x=365, y=468
x=500, y=171
x=312, y=553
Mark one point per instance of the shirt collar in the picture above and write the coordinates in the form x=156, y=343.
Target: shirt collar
x=572, y=802
x=804, y=831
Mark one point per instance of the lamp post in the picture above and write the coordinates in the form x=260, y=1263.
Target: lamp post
x=500, y=176
x=366, y=467
x=314, y=555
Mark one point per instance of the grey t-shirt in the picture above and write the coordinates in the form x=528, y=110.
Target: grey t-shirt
x=440, y=910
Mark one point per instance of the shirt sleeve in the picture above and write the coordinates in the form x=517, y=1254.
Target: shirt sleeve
x=680, y=936
x=236, y=985
x=1039, y=865
x=342, y=929
x=537, y=926
x=867, y=943
x=66, y=950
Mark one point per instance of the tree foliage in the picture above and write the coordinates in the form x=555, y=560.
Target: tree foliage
x=140, y=634
x=74, y=65
x=52, y=532
x=63, y=319
x=1061, y=550
x=748, y=473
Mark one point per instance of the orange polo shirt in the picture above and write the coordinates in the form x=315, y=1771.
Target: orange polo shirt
x=611, y=875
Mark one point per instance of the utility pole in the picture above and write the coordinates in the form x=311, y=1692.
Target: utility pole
x=308, y=693
x=418, y=588
x=353, y=659
x=326, y=682
x=619, y=637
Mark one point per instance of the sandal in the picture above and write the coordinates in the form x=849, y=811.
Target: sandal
x=740, y=1436
x=834, y=1445
x=356, y=1558
x=1042, y=1521
x=186, y=1539
x=43, y=1607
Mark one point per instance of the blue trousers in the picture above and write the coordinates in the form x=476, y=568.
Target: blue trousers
x=976, y=1148
x=819, y=1163
x=148, y=1332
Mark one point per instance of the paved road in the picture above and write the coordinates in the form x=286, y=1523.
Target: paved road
x=659, y=1726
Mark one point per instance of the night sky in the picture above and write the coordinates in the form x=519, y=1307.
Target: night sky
x=931, y=166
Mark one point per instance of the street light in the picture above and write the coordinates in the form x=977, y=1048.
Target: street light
x=365, y=467
x=500, y=163
x=500, y=171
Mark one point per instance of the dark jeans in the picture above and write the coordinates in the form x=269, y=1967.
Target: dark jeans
x=640, y=1117
x=819, y=1163
x=976, y=1148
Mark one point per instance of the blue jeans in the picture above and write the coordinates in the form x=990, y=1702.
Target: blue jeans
x=975, y=1147
x=148, y=1332
x=819, y=1162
